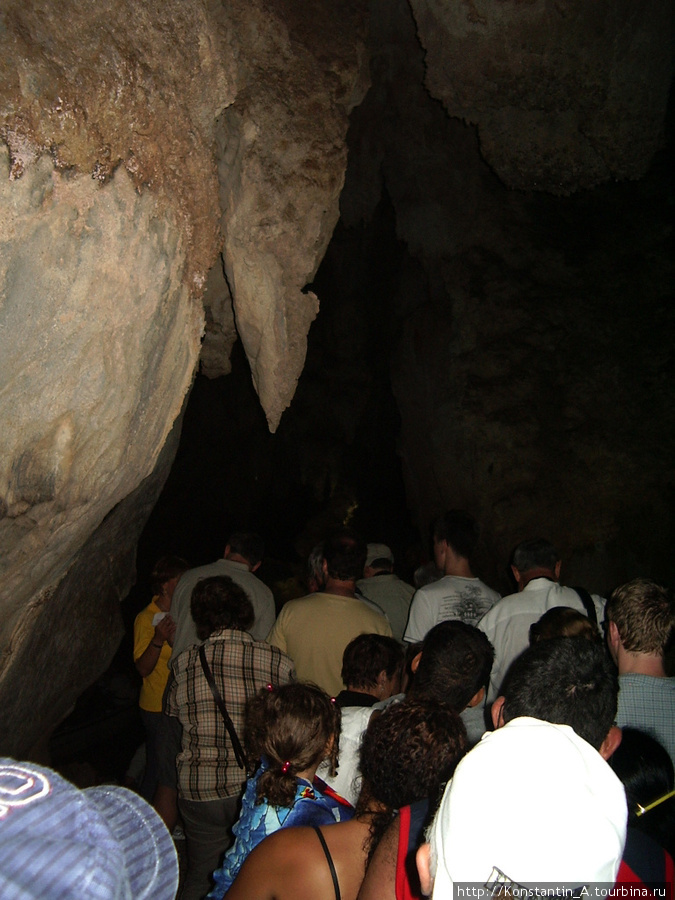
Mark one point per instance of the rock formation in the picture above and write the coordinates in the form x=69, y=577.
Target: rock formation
x=140, y=142
x=564, y=95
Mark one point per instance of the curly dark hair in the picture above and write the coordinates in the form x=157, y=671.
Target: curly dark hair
x=219, y=602
x=293, y=727
x=409, y=752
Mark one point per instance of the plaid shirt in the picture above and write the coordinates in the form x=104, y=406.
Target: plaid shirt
x=207, y=768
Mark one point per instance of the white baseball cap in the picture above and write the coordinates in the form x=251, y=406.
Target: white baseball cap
x=533, y=805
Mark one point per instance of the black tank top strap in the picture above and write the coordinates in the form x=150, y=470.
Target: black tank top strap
x=329, y=860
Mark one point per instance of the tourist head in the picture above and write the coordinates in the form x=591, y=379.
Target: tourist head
x=218, y=603
x=344, y=555
x=646, y=771
x=641, y=616
x=454, y=665
x=565, y=681
x=316, y=577
x=409, y=751
x=292, y=728
x=459, y=531
x=531, y=805
x=379, y=558
x=535, y=558
x=563, y=621
x=372, y=663
x=248, y=545
x=166, y=573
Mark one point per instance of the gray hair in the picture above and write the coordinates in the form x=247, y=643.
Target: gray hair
x=536, y=554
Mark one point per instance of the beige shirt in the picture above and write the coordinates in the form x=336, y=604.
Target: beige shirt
x=315, y=630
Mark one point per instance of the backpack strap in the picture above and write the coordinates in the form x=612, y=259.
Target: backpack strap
x=589, y=606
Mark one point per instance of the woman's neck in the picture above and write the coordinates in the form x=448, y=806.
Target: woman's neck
x=308, y=774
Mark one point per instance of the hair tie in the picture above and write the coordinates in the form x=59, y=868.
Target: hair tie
x=332, y=700
x=270, y=687
x=286, y=766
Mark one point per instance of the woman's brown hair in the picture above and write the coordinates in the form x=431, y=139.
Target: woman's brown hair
x=292, y=727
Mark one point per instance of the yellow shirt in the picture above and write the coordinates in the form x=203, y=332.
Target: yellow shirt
x=315, y=630
x=152, y=690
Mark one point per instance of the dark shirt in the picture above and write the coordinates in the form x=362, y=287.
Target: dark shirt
x=354, y=698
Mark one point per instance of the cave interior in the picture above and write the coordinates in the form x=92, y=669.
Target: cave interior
x=487, y=332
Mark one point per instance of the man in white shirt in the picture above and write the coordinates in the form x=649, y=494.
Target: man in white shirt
x=536, y=568
x=535, y=803
x=458, y=594
x=242, y=558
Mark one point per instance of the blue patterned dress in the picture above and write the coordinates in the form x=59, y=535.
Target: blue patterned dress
x=310, y=807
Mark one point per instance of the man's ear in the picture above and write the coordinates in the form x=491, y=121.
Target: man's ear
x=611, y=742
x=497, y=712
x=613, y=635
x=556, y=570
x=477, y=698
x=415, y=662
x=516, y=575
x=227, y=551
x=423, y=858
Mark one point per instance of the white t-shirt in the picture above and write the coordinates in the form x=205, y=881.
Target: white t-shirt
x=452, y=597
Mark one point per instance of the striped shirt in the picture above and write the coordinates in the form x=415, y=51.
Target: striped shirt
x=207, y=767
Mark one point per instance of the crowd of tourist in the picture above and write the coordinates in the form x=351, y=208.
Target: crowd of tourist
x=379, y=741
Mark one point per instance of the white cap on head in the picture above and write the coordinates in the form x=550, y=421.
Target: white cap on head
x=378, y=551
x=532, y=804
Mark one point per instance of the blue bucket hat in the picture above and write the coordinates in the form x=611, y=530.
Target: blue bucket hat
x=59, y=842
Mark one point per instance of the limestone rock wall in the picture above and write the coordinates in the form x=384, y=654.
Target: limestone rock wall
x=117, y=216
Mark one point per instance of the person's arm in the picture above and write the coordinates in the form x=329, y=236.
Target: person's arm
x=163, y=633
x=277, y=637
x=419, y=619
x=265, y=617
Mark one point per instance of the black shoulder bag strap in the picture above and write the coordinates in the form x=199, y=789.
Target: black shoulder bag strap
x=587, y=600
x=236, y=743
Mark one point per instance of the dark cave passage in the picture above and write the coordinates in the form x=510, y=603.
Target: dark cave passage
x=334, y=457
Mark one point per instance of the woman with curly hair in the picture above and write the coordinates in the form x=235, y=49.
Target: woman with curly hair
x=408, y=752
x=290, y=730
